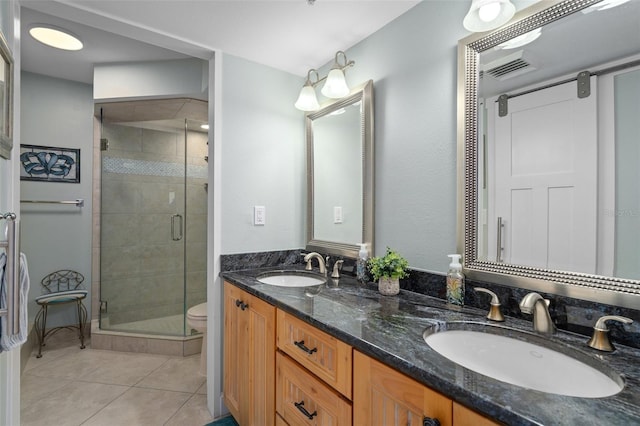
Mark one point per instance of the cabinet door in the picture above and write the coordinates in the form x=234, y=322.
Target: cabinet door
x=261, y=347
x=302, y=399
x=235, y=358
x=249, y=358
x=462, y=416
x=384, y=397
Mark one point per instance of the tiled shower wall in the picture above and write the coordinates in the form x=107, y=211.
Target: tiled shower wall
x=142, y=186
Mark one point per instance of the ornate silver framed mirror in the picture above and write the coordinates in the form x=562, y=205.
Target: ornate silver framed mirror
x=340, y=160
x=575, y=236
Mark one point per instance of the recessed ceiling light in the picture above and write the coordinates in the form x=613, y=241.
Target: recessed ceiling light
x=55, y=37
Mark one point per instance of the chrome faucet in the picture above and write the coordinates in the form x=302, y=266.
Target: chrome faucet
x=535, y=304
x=321, y=264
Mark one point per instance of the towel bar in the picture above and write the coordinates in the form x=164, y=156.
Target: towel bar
x=78, y=202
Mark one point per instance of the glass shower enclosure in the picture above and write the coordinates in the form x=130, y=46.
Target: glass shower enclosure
x=153, y=215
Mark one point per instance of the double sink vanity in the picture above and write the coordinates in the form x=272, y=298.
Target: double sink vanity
x=304, y=348
x=338, y=352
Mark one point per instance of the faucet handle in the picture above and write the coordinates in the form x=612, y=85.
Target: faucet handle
x=304, y=256
x=600, y=338
x=336, y=268
x=494, y=312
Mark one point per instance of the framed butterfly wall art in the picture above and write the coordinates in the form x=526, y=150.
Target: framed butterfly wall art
x=49, y=164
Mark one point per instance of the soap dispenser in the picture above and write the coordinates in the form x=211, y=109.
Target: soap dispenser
x=361, y=264
x=455, y=282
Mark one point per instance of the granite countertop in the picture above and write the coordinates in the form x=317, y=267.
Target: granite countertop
x=390, y=329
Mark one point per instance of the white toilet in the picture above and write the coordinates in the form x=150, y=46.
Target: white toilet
x=197, y=319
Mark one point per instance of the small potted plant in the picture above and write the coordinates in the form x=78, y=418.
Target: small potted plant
x=388, y=270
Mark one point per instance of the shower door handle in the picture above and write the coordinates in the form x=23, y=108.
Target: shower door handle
x=175, y=228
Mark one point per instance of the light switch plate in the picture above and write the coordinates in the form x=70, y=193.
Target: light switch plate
x=337, y=214
x=259, y=213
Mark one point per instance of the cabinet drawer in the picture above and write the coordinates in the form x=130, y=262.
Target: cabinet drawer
x=323, y=355
x=302, y=399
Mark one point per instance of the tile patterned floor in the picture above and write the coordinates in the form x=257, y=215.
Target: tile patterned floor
x=69, y=386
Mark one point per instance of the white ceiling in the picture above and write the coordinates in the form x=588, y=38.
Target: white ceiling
x=289, y=35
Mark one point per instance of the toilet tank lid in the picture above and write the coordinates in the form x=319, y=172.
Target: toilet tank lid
x=198, y=310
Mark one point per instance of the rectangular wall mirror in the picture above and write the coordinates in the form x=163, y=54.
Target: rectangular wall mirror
x=548, y=152
x=6, y=99
x=340, y=174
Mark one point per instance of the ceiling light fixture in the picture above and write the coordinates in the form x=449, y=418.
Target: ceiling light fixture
x=55, y=37
x=204, y=126
x=486, y=15
x=335, y=86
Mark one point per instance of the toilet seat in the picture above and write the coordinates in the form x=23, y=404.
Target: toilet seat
x=198, y=312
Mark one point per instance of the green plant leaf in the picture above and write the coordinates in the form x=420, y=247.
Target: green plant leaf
x=391, y=265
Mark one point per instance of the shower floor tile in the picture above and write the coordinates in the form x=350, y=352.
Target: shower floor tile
x=70, y=386
x=171, y=325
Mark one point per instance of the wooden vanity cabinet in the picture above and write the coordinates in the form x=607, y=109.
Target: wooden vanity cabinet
x=249, y=357
x=282, y=371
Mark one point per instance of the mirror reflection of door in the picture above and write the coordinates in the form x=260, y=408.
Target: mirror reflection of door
x=544, y=158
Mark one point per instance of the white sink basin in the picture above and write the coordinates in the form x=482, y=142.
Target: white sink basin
x=291, y=278
x=525, y=364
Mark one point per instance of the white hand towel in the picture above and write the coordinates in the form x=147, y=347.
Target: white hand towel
x=8, y=341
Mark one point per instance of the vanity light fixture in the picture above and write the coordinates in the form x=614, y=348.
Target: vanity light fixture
x=335, y=86
x=55, y=37
x=486, y=15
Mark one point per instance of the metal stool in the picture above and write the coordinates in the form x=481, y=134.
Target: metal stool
x=60, y=287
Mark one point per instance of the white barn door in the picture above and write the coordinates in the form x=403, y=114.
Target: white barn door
x=545, y=186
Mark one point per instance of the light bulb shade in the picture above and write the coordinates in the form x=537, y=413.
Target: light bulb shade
x=307, y=100
x=336, y=85
x=484, y=15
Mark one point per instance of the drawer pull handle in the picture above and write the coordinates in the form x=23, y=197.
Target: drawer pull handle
x=428, y=421
x=301, y=345
x=241, y=304
x=300, y=406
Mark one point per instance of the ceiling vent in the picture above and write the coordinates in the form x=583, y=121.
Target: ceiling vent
x=507, y=67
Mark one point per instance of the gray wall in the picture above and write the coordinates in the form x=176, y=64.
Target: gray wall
x=57, y=113
x=263, y=158
x=412, y=62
